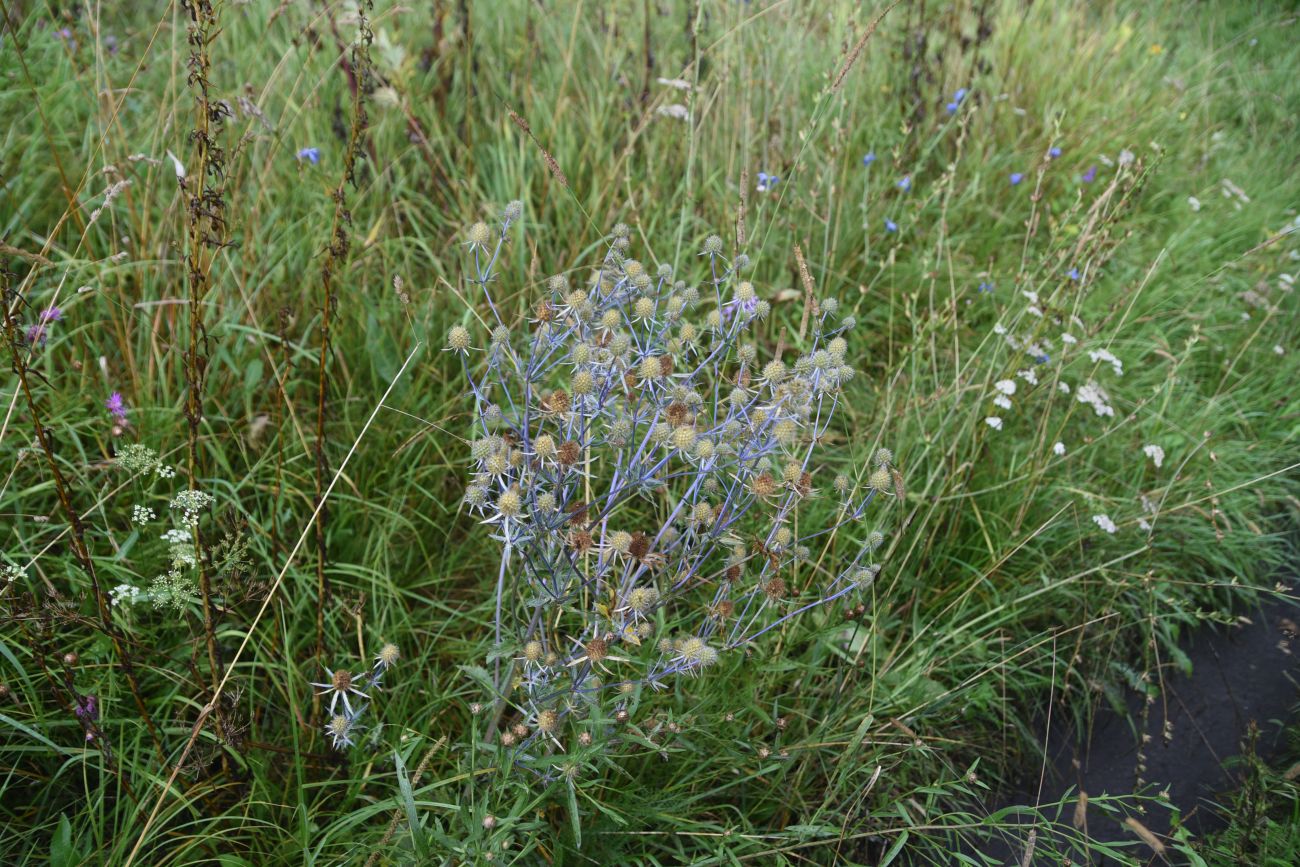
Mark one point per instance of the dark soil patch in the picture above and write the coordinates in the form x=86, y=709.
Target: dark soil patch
x=1249, y=673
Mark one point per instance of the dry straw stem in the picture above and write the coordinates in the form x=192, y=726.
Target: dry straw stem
x=740, y=211
x=809, y=302
x=551, y=164
x=261, y=612
x=1147, y=837
x=856, y=51
x=1030, y=845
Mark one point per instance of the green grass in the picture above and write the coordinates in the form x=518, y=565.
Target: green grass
x=1263, y=826
x=1000, y=596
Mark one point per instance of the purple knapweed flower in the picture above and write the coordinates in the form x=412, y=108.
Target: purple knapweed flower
x=1089, y=176
x=116, y=406
x=1016, y=178
x=312, y=155
x=38, y=333
x=87, y=709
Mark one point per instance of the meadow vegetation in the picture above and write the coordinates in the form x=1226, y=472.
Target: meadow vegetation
x=289, y=294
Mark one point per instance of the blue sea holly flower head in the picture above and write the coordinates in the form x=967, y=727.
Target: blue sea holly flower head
x=646, y=382
x=339, y=685
x=1054, y=152
x=906, y=183
x=1090, y=175
x=869, y=158
x=1016, y=178
x=341, y=727
x=985, y=288
x=957, y=99
x=767, y=182
x=311, y=155
x=1073, y=274
x=890, y=226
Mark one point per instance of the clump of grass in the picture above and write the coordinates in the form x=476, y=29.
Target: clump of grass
x=971, y=155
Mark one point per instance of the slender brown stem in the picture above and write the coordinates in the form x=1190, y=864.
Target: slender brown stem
x=206, y=208
x=80, y=550
x=336, y=251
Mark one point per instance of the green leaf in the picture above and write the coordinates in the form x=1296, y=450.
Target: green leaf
x=574, y=820
x=479, y=674
x=408, y=803
x=894, y=850
x=62, y=852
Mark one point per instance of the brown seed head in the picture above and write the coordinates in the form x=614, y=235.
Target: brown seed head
x=775, y=589
x=640, y=546
x=803, y=487
x=763, y=485
x=342, y=681
x=556, y=402
x=568, y=453
x=580, y=541
x=597, y=649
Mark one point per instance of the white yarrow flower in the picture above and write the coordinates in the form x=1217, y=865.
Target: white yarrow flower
x=1093, y=395
x=1099, y=355
x=1006, y=386
x=1105, y=523
x=994, y=422
x=1002, y=401
x=1059, y=449
x=1155, y=453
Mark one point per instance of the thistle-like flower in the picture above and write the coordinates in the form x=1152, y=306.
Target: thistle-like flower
x=341, y=727
x=338, y=686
